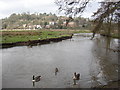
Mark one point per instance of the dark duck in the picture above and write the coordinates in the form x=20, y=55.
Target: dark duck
x=56, y=71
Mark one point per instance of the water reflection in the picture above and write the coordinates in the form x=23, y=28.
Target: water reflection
x=107, y=59
x=96, y=65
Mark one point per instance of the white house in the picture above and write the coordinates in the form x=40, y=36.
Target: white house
x=38, y=27
x=51, y=23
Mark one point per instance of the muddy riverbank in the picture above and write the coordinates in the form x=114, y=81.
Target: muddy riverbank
x=34, y=42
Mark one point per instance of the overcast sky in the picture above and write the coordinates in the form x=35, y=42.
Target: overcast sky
x=7, y=7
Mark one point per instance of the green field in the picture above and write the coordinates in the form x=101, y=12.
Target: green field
x=11, y=36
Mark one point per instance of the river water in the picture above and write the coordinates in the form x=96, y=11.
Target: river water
x=96, y=63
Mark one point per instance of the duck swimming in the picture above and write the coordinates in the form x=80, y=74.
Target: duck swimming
x=78, y=76
x=56, y=70
x=75, y=77
x=36, y=79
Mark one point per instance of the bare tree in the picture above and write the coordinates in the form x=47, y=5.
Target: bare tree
x=109, y=11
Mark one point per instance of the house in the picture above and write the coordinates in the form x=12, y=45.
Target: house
x=51, y=23
x=72, y=24
x=24, y=25
x=38, y=27
x=47, y=26
x=30, y=27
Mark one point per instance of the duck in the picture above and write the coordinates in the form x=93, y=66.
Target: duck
x=56, y=70
x=74, y=78
x=36, y=79
x=78, y=76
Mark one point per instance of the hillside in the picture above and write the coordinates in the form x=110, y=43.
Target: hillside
x=42, y=20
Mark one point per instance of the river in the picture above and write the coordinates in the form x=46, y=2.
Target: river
x=96, y=63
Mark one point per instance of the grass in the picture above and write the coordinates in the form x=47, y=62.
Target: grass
x=82, y=31
x=18, y=36
x=115, y=36
x=11, y=36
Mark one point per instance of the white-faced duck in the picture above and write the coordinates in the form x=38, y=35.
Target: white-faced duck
x=75, y=77
x=36, y=79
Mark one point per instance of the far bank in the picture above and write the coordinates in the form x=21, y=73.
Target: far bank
x=30, y=37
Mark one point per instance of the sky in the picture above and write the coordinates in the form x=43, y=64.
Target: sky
x=8, y=7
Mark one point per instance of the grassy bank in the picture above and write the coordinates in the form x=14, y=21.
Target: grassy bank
x=11, y=36
x=112, y=35
x=115, y=36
